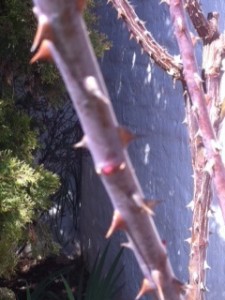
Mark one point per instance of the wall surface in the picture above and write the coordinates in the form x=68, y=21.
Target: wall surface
x=147, y=102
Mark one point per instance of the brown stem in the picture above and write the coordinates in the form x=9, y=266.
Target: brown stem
x=198, y=19
x=200, y=206
x=194, y=85
x=139, y=32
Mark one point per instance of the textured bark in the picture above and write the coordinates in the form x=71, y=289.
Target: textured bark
x=195, y=89
x=203, y=123
x=198, y=19
x=62, y=35
x=200, y=205
x=144, y=38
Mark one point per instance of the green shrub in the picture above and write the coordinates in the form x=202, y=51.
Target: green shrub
x=24, y=187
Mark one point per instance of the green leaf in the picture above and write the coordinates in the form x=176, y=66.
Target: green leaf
x=100, y=285
x=68, y=289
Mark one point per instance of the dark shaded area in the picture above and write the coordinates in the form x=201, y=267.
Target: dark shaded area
x=49, y=270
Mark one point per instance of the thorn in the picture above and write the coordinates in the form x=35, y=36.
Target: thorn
x=125, y=136
x=209, y=166
x=43, y=53
x=198, y=80
x=198, y=134
x=203, y=287
x=82, y=143
x=164, y=1
x=127, y=245
x=151, y=205
x=141, y=22
x=206, y=266
x=191, y=205
x=195, y=39
x=195, y=277
x=158, y=280
x=185, y=93
x=216, y=146
x=80, y=5
x=146, y=288
x=171, y=71
x=212, y=210
x=185, y=121
x=117, y=224
x=196, y=226
x=189, y=287
x=194, y=108
x=119, y=15
x=131, y=36
x=44, y=31
x=137, y=39
x=180, y=23
x=188, y=240
x=110, y=169
x=210, y=213
x=177, y=59
x=148, y=206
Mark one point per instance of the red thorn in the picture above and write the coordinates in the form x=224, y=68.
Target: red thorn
x=146, y=288
x=125, y=136
x=43, y=53
x=110, y=169
x=117, y=224
x=80, y=5
x=43, y=32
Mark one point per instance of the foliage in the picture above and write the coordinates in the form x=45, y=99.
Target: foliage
x=24, y=187
x=17, y=27
x=100, y=285
x=7, y=294
x=15, y=132
x=99, y=40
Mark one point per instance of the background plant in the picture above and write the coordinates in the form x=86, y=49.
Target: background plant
x=102, y=282
x=24, y=116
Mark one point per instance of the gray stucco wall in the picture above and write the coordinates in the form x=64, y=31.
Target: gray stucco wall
x=147, y=103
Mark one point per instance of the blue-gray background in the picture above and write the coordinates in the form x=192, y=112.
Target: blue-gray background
x=146, y=101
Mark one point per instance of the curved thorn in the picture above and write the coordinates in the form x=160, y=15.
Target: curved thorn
x=117, y=224
x=146, y=288
x=43, y=53
x=43, y=32
x=82, y=143
x=125, y=136
x=127, y=245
